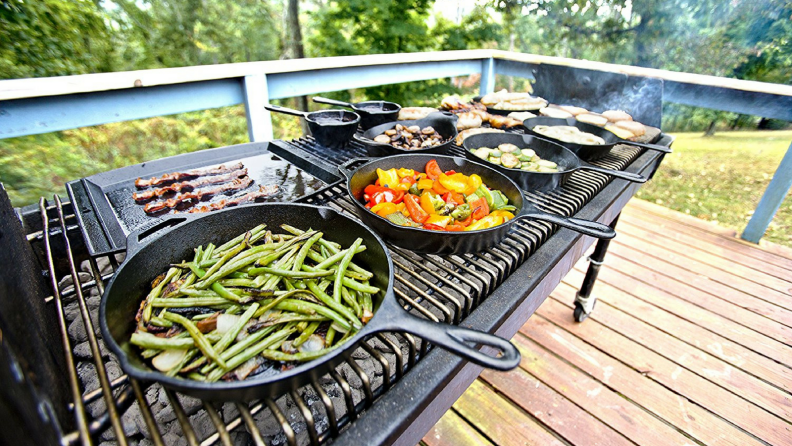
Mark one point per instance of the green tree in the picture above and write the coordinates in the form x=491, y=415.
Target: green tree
x=52, y=38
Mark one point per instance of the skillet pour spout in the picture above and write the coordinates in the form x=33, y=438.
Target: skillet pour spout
x=154, y=249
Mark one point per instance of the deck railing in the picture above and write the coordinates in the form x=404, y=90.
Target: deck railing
x=43, y=105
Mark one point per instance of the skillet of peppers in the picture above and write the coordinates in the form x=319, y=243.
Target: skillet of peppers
x=436, y=200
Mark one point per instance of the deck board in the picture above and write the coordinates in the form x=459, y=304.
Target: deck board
x=690, y=344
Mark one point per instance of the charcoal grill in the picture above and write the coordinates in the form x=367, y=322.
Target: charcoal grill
x=392, y=392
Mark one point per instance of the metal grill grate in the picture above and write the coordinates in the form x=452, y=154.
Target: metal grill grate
x=442, y=288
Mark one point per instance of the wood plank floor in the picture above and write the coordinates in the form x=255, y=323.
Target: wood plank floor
x=690, y=343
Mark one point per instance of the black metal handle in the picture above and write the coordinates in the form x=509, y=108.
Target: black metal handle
x=143, y=236
x=655, y=147
x=322, y=100
x=288, y=111
x=586, y=227
x=629, y=176
x=455, y=339
x=347, y=171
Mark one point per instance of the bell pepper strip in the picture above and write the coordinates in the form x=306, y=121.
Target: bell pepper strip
x=505, y=214
x=388, y=178
x=480, y=208
x=433, y=170
x=425, y=184
x=432, y=227
x=461, y=212
x=439, y=189
x=414, y=208
x=455, y=183
x=456, y=198
x=473, y=183
x=438, y=220
x=483, y=191
x=454, y=228
x=385, y=196
x=409, y=180
x=404, y=187
x=427, y=204
x=485, y=223
x=466, y=222
x=402, y=172
x=384, y=209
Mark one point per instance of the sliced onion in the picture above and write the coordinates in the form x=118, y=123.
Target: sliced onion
x=247, y=367
x=313, y=344
x=168, y=359
x=225, y=322
x=244, y=332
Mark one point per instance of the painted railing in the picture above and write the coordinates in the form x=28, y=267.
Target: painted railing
x=43, y=105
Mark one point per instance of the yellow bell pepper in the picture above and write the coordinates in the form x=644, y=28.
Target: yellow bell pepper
x=439, y=220
x=384, y=209
x=505, y=214
x=402, y=186
x=388, y=178
x=425, y=184
x=426, y=203
x=474, y=181
x=487, y=222
x=405, y=172
x=457, y=182
x=402, y=207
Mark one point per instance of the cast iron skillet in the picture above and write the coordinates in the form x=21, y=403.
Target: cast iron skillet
x=587, y=151
x=437, y=242
x=443, y=122
x=567, y=161
x=372, y=113
x=148, y=255
x=331, y=128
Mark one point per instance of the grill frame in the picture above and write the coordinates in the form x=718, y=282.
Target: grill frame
x=435, y=379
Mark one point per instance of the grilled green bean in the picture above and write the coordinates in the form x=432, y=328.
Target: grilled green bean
x=342, y=267
x=200, y=341
x=336, y=306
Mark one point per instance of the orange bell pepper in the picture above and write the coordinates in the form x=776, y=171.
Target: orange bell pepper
x=426, y=203
x=480, y=208
x=425, y=183
x=414, y=208
x=433, y=170
x=384, y=209
x=474, y=181
x=439, y=189
x=487, y=222
x=505, y=214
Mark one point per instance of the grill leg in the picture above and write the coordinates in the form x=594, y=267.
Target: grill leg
x=584, y=301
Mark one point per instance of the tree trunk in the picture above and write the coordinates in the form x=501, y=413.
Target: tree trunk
x=511, y=49
x=711, y=129
x=295, y=48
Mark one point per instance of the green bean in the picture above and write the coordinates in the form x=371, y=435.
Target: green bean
x=230, y=335
x=279, y=299
x=238, y=282
x=309, y=308
x=208, y=252
x=160, y=322
x=259, y=254
x=336, y=306
x=227, y=245
x=239, y=346
x=306, y=247
x=322, y=242
x=330, y=336
x=189, y=356
x=299, y=357
x=228, y=256
x=200, y=341
x=192, y=292
x=351, y=301
x=156, y=291
x=306, y=333
x=290, y=273
x=357, y=286
x=248, y=353
x=188, y=302
x=148, y=340
x=342, y=267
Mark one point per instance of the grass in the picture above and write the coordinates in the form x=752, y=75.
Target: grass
x=722, y=177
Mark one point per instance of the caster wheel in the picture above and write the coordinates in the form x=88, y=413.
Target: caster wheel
x=580, y=313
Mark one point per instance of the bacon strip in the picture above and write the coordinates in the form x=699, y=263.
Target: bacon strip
x=264, y=191
x=195, y=197
x=179, y=176
x=186, y=186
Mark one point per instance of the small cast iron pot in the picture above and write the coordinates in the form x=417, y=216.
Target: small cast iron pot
x=331, y=128
x=567, y=161
x=150, y=251
x=443, y=122
x=440, y=242
x=587, y=152
x=372, y=113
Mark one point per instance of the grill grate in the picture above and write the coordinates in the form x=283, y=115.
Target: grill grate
x=441, y=288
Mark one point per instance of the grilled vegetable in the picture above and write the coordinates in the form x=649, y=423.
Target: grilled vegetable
x=511, y=156
x=232, y=306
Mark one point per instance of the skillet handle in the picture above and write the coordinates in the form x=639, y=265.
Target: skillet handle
x=629, y=176
x=655, y=147
x=288, y=111
x=455, y=339
x=321, y=100
x=144, y=235
x=345, y=168
x=586, y=227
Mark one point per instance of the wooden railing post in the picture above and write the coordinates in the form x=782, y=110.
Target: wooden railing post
x=771, y=200
x=256, y=94
x=487, y=76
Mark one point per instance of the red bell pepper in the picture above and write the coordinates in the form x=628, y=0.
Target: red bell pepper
x=414, y=208
x=455, y=227
x=480, y=208
x=433, y=170
x=432, y=227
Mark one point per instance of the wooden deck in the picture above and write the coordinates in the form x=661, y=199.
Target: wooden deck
x=690, y=344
